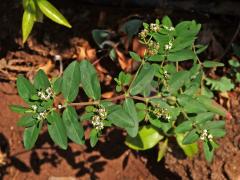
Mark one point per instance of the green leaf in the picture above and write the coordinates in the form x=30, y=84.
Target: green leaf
x=166, y=21
x=187, y=28
x=212, y=106
x=28, y=19
x=147, y=138
x=41, y=80
x=129, y=107
x=25, y=88
x=203, y=117
x=74, y=129
x=100, y=36
x=214, y=124
x=143, y=79
x=184, y=127
x=217, y=132
x=177, y=80
x=30, y=135
x=200, y=48
x=90, y=81
x=182, y=55
x=52, y=13
x=224, y=84
x=190, y=104
x=156, y=58
x=208, y=151
x=135, y=56
x=93, y=137
x=27, y=121
x=57, y=85
x=19, y=109
x=121, y=119
x=182, y=42
x=234, y=63
x=162, y=149
x=190, y=149
x=71, y=81
x=191, y=137
x=57, y=130
x=86, y=116
x=131, y=28
x=238, y=77
x=112, y=54
x=211, y=64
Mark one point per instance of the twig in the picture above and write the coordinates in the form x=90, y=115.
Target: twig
x=232, y=40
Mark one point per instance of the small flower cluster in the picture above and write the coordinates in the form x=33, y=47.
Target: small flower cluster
x=161, y=113
x=153, y=47
x=34, y=107
x=205, y=135
x=45, y=95
x=154, y=27
x=143, y=34
x=97, y=120
x=165, y=75
x=169, y=28
x=168, y=46
x=42, y=115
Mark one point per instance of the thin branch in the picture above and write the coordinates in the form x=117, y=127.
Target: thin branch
x=232, y=40
x=97, y=102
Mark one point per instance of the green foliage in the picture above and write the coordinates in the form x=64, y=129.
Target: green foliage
x=161, y=100
x=71, y=81
x=57, y=130
x=146, y=138
x=90, y=80
x=33, y=12
x=223, y=84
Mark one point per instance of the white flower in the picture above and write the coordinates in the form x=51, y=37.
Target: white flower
x=60, y=106
x=34, y=107
x=210, y=137
x=154, y=27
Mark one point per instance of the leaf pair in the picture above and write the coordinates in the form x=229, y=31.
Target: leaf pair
x=67, y=126
x=83, y=73
x=34, y=10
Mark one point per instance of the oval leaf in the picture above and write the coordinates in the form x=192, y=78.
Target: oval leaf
x=135, y=56
x=30, y=135
x=74, y=129
x=211, y=64
x=189, y=149
x=57, y=130
x=93, y=137
x=71, y=81
x=129, y=107
x=143, y=79
x=191, y=137
x=25, y=88
x=90, y=82
x=121, y=118
x=41, y=80
x=26, y=121
x=147, y=138
x=182, y=55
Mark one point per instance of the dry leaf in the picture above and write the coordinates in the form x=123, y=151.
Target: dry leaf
x=107, y=95
x=47, y=68
x=138, y=47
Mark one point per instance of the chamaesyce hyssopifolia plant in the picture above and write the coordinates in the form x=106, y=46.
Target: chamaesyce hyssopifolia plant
x=160, y=101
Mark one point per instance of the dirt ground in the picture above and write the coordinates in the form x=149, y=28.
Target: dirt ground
x=111, y=159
